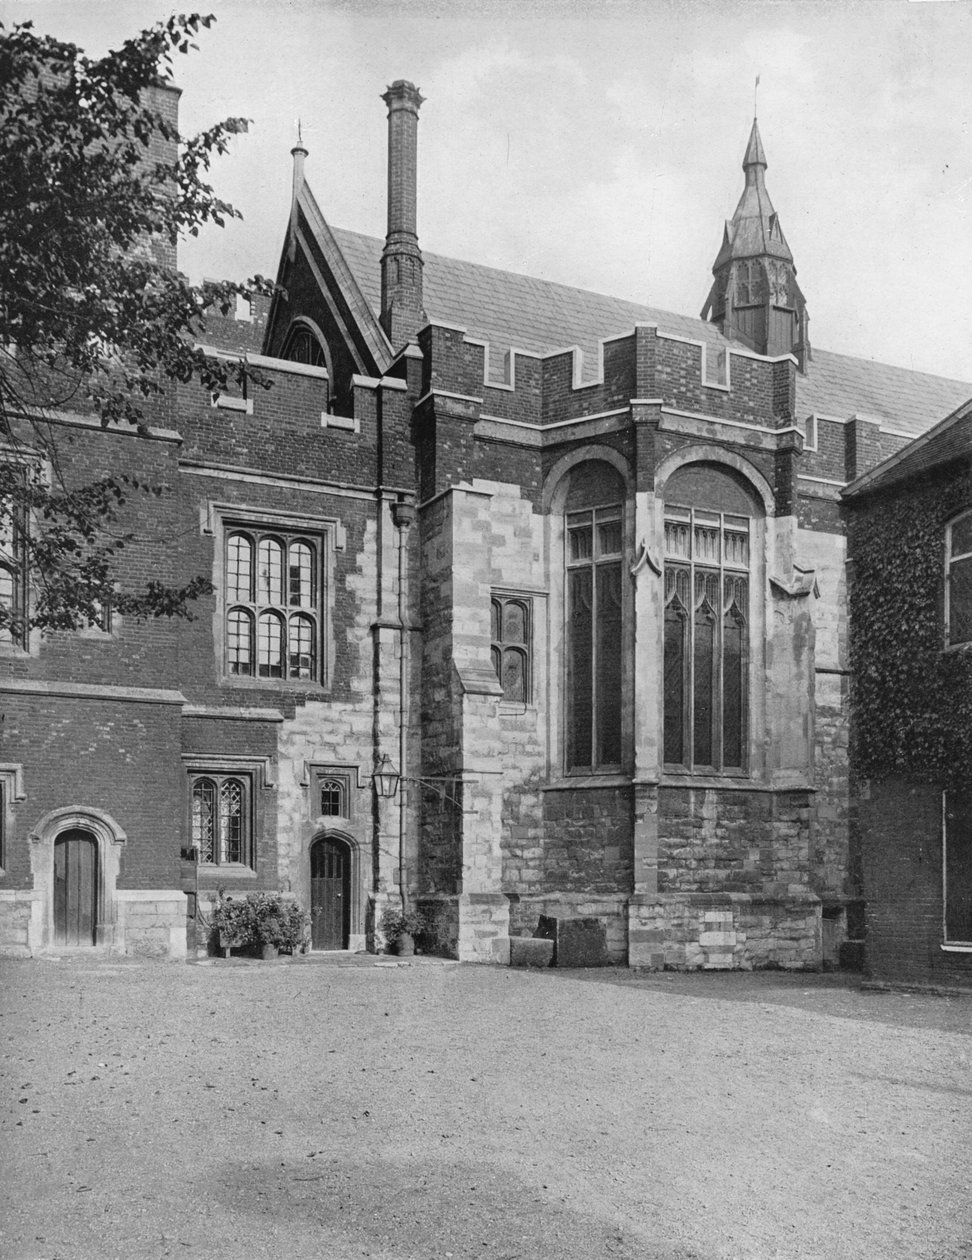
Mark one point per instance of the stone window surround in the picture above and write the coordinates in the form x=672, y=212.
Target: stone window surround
x=502, y=596
x=258, y=771
x=218, y=519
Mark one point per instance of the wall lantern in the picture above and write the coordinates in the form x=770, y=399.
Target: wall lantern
x=386, y=777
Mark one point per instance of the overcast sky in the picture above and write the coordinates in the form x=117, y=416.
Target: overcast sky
x=600, y=144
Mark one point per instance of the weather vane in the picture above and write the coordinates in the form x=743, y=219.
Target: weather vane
x=755, y=95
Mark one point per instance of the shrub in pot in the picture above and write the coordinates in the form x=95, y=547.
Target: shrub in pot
x=400, y=928
x=264, y=921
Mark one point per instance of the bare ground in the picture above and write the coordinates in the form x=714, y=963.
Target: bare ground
x=361, y=1109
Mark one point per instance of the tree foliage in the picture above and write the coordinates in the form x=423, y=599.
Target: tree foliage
x=96, y=186
x=912, y=700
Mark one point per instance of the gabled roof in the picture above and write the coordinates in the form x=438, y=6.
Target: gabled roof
x=510, y=310
x=948, y=441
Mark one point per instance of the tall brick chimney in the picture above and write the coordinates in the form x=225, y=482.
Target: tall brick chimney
x=402, y=314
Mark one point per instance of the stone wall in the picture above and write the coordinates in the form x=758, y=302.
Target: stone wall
x=722, y=931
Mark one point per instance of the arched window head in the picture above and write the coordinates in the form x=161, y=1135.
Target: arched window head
x=302, y=346
x=709, y=515
x=511, y=646
x=594, y=537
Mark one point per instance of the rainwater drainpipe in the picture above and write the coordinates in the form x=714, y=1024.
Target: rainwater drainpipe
x=403, y=514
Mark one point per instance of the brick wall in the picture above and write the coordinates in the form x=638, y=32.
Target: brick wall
x=900, y=828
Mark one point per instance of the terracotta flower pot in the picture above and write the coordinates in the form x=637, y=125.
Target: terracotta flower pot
x=406, y=945
x=268, y=951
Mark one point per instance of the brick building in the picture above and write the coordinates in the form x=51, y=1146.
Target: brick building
x=911, y=818
x=572, y=568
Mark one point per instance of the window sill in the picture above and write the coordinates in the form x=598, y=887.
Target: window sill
x=228, y=870
x=307, y=686
x=721, y=782
x=956, y=949
x=569, y=783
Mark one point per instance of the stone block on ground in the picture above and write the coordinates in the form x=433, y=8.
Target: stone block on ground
x=530, y=951
x=577, y=942
x=500, y=947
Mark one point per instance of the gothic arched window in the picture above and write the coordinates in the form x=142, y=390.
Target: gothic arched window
x=594, y=537
x=709, y=514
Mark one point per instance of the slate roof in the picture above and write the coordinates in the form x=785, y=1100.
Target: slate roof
x=507, y=310
x=948, y=441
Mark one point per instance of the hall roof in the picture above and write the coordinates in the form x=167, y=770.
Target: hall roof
x=508, y=309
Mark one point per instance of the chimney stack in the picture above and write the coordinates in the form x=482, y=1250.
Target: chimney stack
x=402, y=314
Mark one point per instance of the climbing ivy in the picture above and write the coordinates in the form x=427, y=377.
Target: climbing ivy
x=912, y=701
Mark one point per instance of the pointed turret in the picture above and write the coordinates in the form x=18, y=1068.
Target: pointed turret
x=755, y=297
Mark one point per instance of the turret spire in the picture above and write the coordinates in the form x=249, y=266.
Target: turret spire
x=755, y=297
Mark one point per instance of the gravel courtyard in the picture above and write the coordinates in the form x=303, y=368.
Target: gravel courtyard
x=416, y=1112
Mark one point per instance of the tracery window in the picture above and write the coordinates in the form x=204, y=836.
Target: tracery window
x=594, y=543
x=958, y=586
x=221, y=819
x=511, y=647
x=272, y=600
x=707, y=621
x=332, y=793
x=303, y=347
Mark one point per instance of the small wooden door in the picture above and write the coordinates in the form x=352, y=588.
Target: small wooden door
x=75, y=888
x=330, y=894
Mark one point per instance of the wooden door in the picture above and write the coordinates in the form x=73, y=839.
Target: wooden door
x=75, y=888
x=330, y=894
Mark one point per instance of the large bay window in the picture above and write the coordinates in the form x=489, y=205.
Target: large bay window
x=708, y=547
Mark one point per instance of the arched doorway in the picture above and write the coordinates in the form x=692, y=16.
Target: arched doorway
x=75, y=887
x=330, y=862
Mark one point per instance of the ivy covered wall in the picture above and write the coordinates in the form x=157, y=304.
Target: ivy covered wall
x=911, y=699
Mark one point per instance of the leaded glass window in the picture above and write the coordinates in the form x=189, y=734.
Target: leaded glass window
x=959, y=581
x=273, y=614
x=707, y=627
x=594, y=637
x=511, y=648
x=332, y=797
x=220, y=819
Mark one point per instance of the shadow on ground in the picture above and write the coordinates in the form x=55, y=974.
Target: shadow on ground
x=837, y=994
x=421, y=1207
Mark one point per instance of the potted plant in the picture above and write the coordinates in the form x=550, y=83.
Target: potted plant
x=230, y=921
x=400, y=926
x=263, y=921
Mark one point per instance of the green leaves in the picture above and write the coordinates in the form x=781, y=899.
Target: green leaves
x=96, y=185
